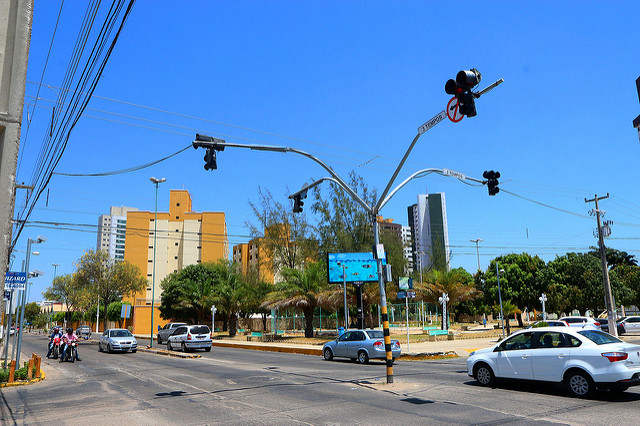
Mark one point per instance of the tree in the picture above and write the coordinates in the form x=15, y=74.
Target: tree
x=286, y=237
x=106, y=279
x=31, y=311
x=187, y=295
x=230, y=292
x=627, y=290
x=114, y=311
x=615, y=257
x=68, y=290
x=457, y=283
x=518, y=283
x=299, y=291
x=508, y=308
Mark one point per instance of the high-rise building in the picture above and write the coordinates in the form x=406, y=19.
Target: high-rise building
x=429, y=231
x=112, y=229
x=407, y=251
x=184, y=237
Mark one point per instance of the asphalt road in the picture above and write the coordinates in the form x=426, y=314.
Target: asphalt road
x=239, y=386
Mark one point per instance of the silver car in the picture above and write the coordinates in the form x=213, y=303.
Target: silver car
x=190, y=337
x=360, y=345
x=167, y=330
x=117, y=339
x=84, y=331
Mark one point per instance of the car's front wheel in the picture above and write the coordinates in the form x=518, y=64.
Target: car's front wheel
x=579, y=384
x=363, y=358
x=169, y=347
x=484, y=375
x=328, y=355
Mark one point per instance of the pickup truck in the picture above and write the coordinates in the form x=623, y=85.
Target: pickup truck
x=167, y=330
x=84, y=331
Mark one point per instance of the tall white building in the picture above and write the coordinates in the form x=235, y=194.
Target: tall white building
x=112, y=229
x=429, y=230
x=408, y=248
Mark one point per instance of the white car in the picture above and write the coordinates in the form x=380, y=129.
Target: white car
x=582, y=359
x=190, y=337
x=629, y=324
x=582, y=322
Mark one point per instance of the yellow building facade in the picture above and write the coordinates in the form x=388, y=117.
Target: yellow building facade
x=184, y=237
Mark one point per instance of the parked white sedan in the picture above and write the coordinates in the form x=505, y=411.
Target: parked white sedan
x=582, y=359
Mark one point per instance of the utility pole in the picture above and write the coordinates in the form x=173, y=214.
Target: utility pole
x=608, y=295
x=636, y=121
x=15, y=27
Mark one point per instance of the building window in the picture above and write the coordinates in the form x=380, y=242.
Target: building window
x=150, y=260
x=198, y=261
x=199, y=247
x=177, y=230
x=152, y=220
x=177, y=204
x=150, y=246
x=175, y=257
x=177, y=217
x=149, y=275
x=176, y=244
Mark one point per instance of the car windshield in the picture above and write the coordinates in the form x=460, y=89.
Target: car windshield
x=375, y=334
x=199, y=329
x=121, y=333
x=599, y=337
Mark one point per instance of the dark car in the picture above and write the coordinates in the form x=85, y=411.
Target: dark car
x=167, y=330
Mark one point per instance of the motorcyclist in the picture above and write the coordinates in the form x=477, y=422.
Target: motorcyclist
x=55, y=333
x=67, y=338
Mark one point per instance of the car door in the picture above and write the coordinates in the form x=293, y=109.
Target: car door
x=633, y=325
x=551, y=352
x=178, y=336
x=355, y=343
x=341, y=344
x=513, y=358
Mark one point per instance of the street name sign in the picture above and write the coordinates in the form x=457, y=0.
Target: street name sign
x=431, y=123
x=15, y=280
x=454, y=174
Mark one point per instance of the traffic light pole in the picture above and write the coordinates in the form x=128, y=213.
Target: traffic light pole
x=208, y=142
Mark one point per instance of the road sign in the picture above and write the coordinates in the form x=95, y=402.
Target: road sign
x=7, y=295
x=454, y=174
x=403, y=283
x=15, y=280
x=411, y=294
x=453, y=112
x=402, y=294
x=429, y=124
x=125, y=311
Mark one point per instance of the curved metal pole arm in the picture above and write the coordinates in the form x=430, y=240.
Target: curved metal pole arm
x=337, y=179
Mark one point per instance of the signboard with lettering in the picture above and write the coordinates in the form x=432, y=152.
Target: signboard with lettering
x=15, y=280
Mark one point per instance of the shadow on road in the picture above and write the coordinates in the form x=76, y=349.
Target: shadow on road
x=557, y=389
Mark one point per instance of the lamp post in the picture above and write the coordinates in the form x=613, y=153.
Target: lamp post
x=498, y=272
x=156, y=182
x=38, y=240
x=477, y=241
x=543, y=299
x=344, y=292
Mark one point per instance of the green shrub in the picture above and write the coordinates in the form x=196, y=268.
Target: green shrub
x=20, y=374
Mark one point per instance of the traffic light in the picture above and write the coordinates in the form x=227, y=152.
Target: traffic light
x=210, y=162
x=298, y=203
x=492, y=181
x=461, y=89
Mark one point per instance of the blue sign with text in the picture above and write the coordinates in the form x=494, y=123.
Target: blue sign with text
x=15, y=280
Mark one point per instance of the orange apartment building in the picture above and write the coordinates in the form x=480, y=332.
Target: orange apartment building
x=184, y=237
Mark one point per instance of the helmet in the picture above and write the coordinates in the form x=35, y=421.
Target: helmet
x=69, y=330
x=56, y=329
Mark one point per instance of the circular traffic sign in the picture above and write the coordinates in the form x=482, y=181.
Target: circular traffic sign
x=453, y=112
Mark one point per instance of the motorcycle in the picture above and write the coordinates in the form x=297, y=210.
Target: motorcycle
x=70, y=352
x=56, y=347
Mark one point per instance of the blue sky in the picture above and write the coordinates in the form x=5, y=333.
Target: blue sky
x=349, y=82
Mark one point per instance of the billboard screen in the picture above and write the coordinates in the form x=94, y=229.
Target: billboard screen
x=360, y=267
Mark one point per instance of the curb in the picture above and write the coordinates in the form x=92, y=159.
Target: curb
x=168, y=353
x=302, y=351
x=24, y=382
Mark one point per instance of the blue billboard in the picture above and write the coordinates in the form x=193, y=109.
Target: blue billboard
x=359, y=267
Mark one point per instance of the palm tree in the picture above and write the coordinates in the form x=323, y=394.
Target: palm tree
x=299, y=291
x=230, y=293
x=457, y=283
x=508, y=308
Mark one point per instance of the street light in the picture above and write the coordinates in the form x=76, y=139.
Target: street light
x=156, y=182
x=477, y=241
x=35, y=273
x=543, y=299
x=498, y=272
x=344, y=291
